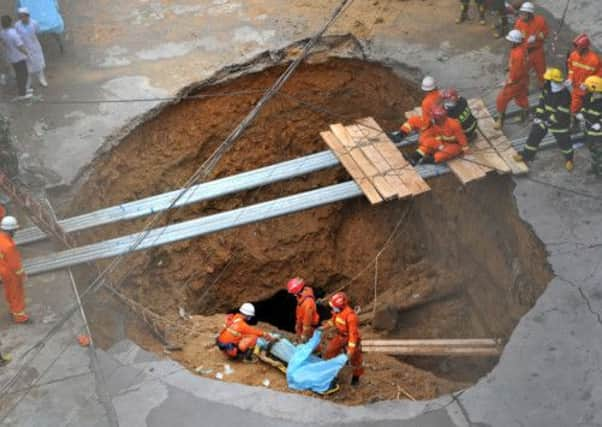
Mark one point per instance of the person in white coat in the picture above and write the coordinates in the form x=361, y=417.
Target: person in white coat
x=28, y=29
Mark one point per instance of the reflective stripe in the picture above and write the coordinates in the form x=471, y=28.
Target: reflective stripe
x=539, y=110
x=583, y=66
x=19, y=272
x=420, y=152
x=234, y=332
x=530, y=148
x=351, y=344
x=548, y=108
x=593, y=133
x=559, y=130
x=566, y=110
x=340, y=321
x=446, y=138
x=567, y=151
x=592, y=112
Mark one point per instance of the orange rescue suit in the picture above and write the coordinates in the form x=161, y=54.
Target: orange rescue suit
x=307, y=317
x=239, y=334
x=348, y=335
x=580, y=68
x=420, y=123
x=12, y=275
x=537, y=27
x=517, y=84
x=443, y=141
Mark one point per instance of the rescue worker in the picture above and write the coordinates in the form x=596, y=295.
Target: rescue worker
x=347, y=339
x=11, y=270
x=307, y=318
x=591, y=114
x=582, y=63
x=238, y=338
x=517, y=82
x=464, y=11
x=534, y=29
x=432, y=97
x=501, y=28
x=457, y=108
x=441, y=142
x=552, y=114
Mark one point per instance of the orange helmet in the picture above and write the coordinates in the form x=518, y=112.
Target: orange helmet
x=582, y=41
x=438, y=113
x=338, y=300
x=295, y=285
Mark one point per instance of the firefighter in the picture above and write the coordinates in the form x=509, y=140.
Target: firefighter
x=238, y=339
x=432, y=97
x=582, y=63
x=442, y=141
x=11, y=270
x=591, y=114
x=517, y=82
x=534, y=29
x=347, y=339
x=464, y=11
x=552, y=114
x=307, y=318
x=457, y=108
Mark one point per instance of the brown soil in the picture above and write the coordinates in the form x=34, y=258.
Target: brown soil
x=462, y=265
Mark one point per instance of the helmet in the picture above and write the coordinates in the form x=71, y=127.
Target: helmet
x=338, y=300
x=247, y=309
x=450, y=94
x=515, y=36
x=428, y=84
x=527, y=7
x=554, y=74
x=438, y=113
x=593, y=84
x=295, y=285
x=9, y=223
x=581, y=41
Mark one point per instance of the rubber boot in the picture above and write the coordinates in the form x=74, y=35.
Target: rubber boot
x=499, y=122
x=482, y=15
x=463, y=13
x=20, y=318
x=355, y=381
x=524, y=115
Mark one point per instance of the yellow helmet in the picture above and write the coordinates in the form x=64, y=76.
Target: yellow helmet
x=593, y=84
x=554, y=74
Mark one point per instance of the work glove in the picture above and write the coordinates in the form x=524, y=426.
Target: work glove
x=569, y=84
x=579, y=116
x=596, y=127
x=531, y=39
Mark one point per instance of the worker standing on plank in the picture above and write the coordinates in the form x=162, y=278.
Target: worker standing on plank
x=238, y=338
x=517, y=82
x=552, y=114
x=11, y=270
x=441, y=142
x=480, y=4
x=591, y=114
x=346, y=322
x=534, y=29
x=457, y=108
x=582, y=63
x=432, y=97
x=307, y=318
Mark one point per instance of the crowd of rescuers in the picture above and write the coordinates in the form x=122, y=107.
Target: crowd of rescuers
x=238, y=338
x=566, y=103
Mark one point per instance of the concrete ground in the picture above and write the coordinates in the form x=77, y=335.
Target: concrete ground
x=550, y=371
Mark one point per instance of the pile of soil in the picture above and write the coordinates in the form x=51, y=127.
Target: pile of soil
x=462, y=264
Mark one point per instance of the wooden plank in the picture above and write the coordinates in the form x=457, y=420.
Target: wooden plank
x=453, y=342
x=362, y=139
x=386, y=191
x=356, y=173
x=497, y=139
x=410, y=177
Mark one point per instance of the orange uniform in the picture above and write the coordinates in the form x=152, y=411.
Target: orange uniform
x=420, y=123
x=238, y=335
x=443, y=141
x=580, y=68
x=537, y=27
x=348, y=335
x=13, y=276
x=307, y=317
x=517, y=84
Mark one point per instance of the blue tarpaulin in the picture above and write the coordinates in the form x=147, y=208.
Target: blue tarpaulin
x=308, y=372
x=46, y=12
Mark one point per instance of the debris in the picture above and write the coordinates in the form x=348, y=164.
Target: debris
x=202, y=371
x=83, y=340
x=228, y=369
x=219, y=376
x=266, y=382
x=173, y=347
x=182, y=313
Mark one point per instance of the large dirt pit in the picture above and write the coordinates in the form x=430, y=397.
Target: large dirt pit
x=461, y=265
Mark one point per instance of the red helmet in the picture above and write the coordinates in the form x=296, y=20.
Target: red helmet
x=438, y=113
x=295, y=285
x=338, y=300
x=582, y=41
x=450, y=94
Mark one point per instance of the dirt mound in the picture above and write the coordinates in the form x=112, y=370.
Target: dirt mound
x=461, y=265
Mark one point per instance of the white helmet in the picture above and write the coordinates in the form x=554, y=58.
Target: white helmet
x=527, y=7
x=515, y=36
x=247, y=309
x=9, y=223
x=429, y=84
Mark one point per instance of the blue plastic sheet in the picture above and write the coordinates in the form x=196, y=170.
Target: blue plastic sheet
x=46, y=12
x=307, y=372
